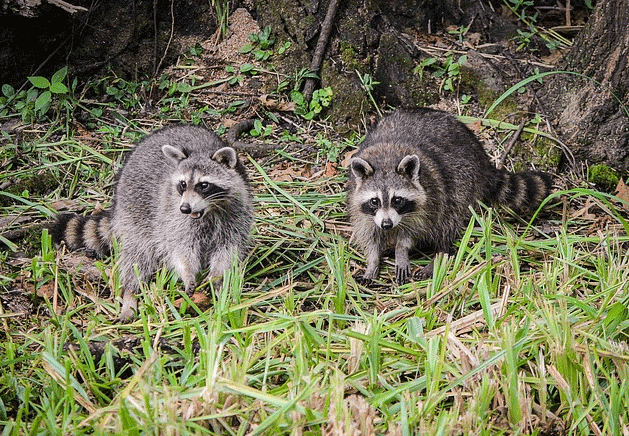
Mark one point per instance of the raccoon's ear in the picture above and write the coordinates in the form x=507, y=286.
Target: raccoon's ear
x=360, y=168
x=409, y=167
x=173, y=154
x=226, y=156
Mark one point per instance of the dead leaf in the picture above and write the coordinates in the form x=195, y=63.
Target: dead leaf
x=201, y=300
x=330, y=169
x=277, y=105
x=228, y=123
x=622, y=191
x=306, y=172
x=47, y=291
x=475, y=126
x=64, y=205
x=584, y=212
x=281, y=175
x=347, y=158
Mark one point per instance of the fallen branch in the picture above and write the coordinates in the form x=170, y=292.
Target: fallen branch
x=322, y=43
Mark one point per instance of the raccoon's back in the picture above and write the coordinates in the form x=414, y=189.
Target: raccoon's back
x=433, y=133
x=455, y=167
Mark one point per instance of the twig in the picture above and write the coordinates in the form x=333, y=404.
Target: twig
x=257, y=149
x=172, y=32
x=67, y=6
x=324, y=36
x=514, y=138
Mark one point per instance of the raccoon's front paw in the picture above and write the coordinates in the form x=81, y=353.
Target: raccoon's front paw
x=402, y=274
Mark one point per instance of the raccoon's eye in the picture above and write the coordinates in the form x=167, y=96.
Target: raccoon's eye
x=398, y=201
x=374, y=202
x=181, y=187
x=204, y=186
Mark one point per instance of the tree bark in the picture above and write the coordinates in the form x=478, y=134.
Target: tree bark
x=591, y=112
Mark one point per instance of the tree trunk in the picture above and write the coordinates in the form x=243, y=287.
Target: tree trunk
x=592, y=114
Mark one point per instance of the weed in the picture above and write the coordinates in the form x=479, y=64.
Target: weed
x=196, y=50
x=460, y=32
x=368, y=83
x=35, y=103
x=261, y=44
x=260, y=131
x=449, y=72
x=124, y=93
x=523, y=39
x=321, y=99
x=221, y=9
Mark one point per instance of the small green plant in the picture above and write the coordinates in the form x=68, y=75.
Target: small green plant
x=419, y=69
x=235, y=78
x=40, y=265
x=519, y=7
x=128, y=94
x=196, y=50
x=321, y=99
x=368, y=83
x=260, y=131
x=523, y=39
x=35, y=103
x=332, y=149
x=297, y=80
x=460, y=32
x=261, y=44
x=449, y=72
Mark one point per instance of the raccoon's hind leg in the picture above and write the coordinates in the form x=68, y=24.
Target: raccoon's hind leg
x=425, y=272
x=445, y=248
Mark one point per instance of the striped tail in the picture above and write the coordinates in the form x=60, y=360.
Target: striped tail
x=93, y=233
x=520, y=191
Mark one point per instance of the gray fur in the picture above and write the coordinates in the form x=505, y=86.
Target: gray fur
x=155, y=224
x=435, y=163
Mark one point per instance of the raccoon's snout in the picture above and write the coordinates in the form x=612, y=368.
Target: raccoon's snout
x=386, y=219
x=386, y=224
x=185, y=208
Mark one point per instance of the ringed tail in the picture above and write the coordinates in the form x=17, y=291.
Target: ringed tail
x=522, y=191
x=92, y=233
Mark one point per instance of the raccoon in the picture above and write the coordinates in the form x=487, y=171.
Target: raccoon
x=412, y=181
x=181, y=199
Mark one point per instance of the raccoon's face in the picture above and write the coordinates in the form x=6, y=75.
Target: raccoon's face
x=387, y=196
x=199, y=190
x=198, y=193
x=386, y=207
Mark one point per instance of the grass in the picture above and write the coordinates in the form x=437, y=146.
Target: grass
x=522, y=331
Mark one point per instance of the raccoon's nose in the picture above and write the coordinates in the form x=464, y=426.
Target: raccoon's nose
x=185, y=208
x=386, y=224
